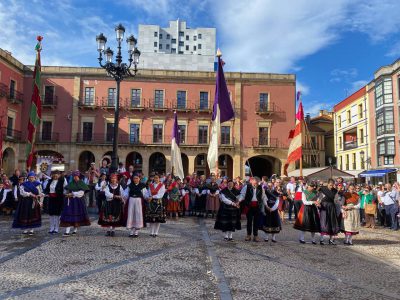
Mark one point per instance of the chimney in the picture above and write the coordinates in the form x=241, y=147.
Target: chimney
x=308, y=118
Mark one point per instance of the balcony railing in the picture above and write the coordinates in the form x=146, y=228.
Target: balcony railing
x=350, y=145
x=203, y=109
x=4, y=90
x=267, y=143
x=11, y=134
x=266, y=108
x=47, y=137
x=12, y=95
x=49, y=101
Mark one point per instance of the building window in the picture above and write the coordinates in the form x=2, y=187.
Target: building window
x=263, y=136
x=160, y=35
x=388, y=160
x=134, y=130
x=263, y=101
x=182, y=134
x=167, y=46
x=203, y=134
x=347, y=162
x=360, y=111
x=160, y=46
x=12, y=89
x=10, y=126
x=112, y=96
x=348, y=117
x=173, y=50
x=155, y=44
x=180, y=52
x=225, y=135
x=48, y=94
x=135, y=97
x=155, y=33
x=187, y=48
x=384, y=121
x=181, y=44
x=181, y=33
x=158, y=98
x=386, y=149
x=340, y=143
x=89, y=96
x=46, y=130
x=203, y=100
x=87, y=131
x=168, y=36
x=194, y=38
x=354, y=161
x=199, y=36
x=383, y=92
x=173, y=41
x=109, y=132
x=339, y=121
x=157, y=133
x=194, y=48
x=181, y=99
x=187, y=37
x=340, y=163
x=361, y=136
x=199, y=46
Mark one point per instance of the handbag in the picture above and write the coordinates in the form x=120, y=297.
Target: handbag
x=370, y=209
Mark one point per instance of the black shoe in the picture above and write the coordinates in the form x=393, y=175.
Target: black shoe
x=152, y=235
x=314, y=242
x=332, y=242
x=112, y=233
x=66, y=234
x=226, y=239
x=350, y=243
x=131, y=235
x=74, y=232
x=51, y=232
x=321, y=243
x=346, y=242
x=266, y=240
x=274, y=241
x=30, y=233
x=155, y=235
x=108, y=233
x=302, y=242
x=136, y=235
x=231, y=240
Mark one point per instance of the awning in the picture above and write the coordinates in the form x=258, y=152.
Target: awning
x=377, y=173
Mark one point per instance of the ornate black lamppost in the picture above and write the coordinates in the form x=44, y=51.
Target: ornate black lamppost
x=118, y=71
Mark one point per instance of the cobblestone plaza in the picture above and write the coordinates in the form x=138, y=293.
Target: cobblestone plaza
x=190, y=260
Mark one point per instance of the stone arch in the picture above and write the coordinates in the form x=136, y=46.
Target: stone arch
x=8, y=161
x=262, y=165
x=157, y=163
x=225, y=165
x=201, y=165
x=85, y=159
x=185, y=164
x=135, y=159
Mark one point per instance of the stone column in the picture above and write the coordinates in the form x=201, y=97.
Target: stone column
x=74, y=155
x=238, y=166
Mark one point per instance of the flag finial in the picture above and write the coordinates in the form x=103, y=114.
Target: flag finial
x=219, y=53
x=39, y=38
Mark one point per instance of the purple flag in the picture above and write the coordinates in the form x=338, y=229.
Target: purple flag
x=175, y=129
x=222, y=99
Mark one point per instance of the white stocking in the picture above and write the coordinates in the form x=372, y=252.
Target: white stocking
x=157, y=228
x=226, y=234
x=56, y=223
x=302, y=233
x=274, y=236
x=230, y=234
x=67, y=230
x=313, y=236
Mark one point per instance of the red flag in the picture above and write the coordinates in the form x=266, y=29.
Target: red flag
x=291, y=134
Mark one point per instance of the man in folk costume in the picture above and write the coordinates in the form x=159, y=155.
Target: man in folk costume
x=100, y=188
x=155, y=211
x=252, y=196
x=212, y=204
x=28, y=215
x=228, y=217
x=174, y=197
x=308, y=216
x=300, y=187
x=270, y=221
x=351, y=214
x=112, y=209
x=135, y=193
x=328, y=198
x=55, y=193
x=74, y=213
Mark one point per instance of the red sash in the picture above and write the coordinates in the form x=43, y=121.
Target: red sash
x=154, y=191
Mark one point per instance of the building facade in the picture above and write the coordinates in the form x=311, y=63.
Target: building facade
x=352, y=132
x=78, y=115
x=177, y=47
x=384, y=93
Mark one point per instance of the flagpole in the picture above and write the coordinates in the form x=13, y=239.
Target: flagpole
x=301, y=156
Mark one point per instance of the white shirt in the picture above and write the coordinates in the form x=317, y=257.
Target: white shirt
x=389, y=198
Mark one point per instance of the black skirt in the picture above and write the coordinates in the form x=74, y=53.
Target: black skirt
x=27, y=214
x=112, y=213
x=329, y=220
x=55, y=204
x=228, y=218
x=270, y=222
x=308, y=219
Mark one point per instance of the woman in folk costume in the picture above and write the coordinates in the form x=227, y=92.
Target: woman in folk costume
x=135, y=193
x=193, y=195
x=270, y=221
x=112, y=209
x=282, y=195
x=174, y=197
x=7, y=200
x=185, y=196
x=28, y=215
x=155, y=211
x=228, y=217
x=308, y=216
x=202, y=198
x=100, y=188
x=328, y=198
x=55, y=191
x=351, y=214
x=74, y=213
x=212, y=202
x=17, y=191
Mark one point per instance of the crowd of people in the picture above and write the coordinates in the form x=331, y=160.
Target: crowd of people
x=127, y=198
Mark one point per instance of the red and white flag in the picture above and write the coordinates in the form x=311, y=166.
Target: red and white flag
x=295, y=149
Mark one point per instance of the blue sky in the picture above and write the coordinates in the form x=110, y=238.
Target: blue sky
x=333, y=46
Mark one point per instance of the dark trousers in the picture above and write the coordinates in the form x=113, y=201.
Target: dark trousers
x=382, y=217
x=388, y=216
x=297, y=206
x=394, y=209
x=253, y=216
x=290, y=209
x=362, y=215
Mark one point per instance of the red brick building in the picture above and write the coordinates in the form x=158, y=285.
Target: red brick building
x=78, y=112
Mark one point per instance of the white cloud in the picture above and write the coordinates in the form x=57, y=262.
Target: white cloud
x=394, y=50
x=305, y=89
x=356, y=85
x=343, y=75
x=313, y=107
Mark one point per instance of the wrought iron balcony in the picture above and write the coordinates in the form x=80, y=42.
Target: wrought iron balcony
x=266, y=108
x=267, y=143
x=350, y=145
x=11, y=134
x=47, y=137
x=49, y=102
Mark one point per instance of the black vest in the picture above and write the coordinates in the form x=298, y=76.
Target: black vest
x=135, y=190
x=116, y=191
x=249, y=194
x=59, y=186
